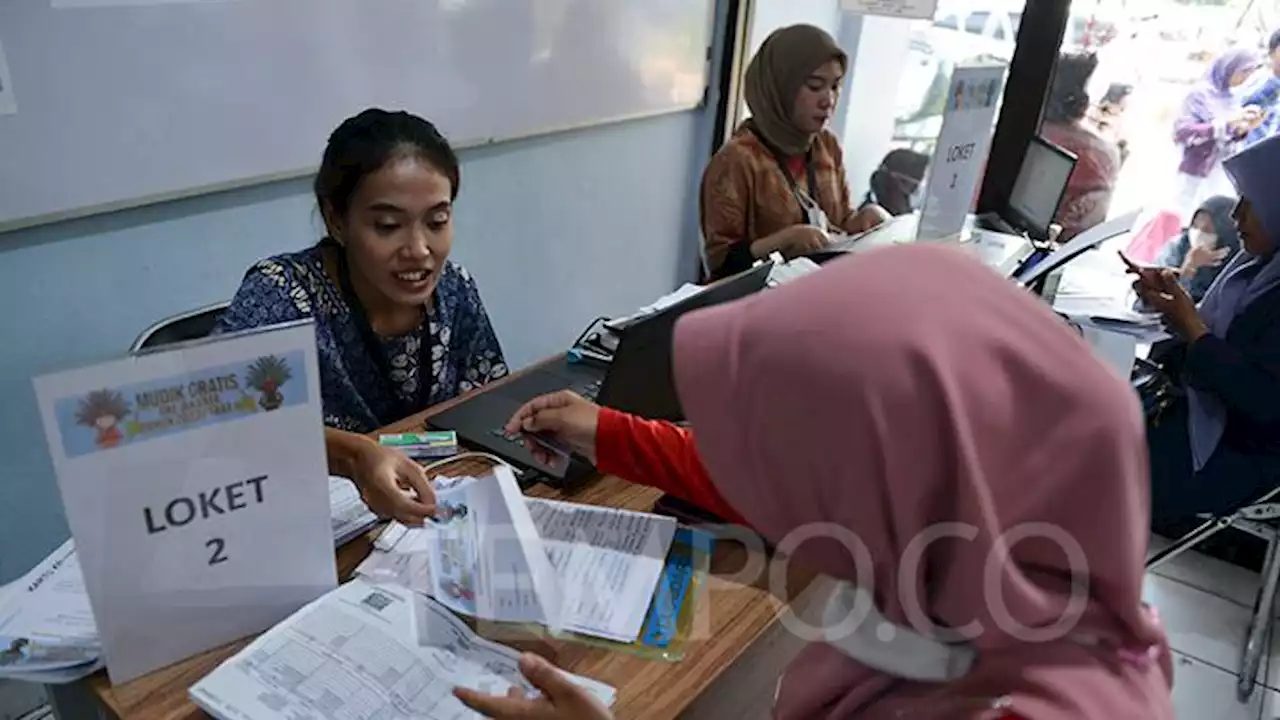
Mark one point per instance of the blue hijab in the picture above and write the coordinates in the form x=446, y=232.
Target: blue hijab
x=1255, y=172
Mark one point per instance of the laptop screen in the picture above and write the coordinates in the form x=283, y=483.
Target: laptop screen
x=1039, y=187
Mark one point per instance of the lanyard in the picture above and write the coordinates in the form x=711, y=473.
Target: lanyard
x=373, y=348
x=806, y=200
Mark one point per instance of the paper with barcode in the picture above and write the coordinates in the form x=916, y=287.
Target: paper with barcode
x=364, y=651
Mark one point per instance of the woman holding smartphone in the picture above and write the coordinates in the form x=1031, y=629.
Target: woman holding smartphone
x=1218, y=447
x=906, y=417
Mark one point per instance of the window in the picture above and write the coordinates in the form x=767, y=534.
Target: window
x=896, y=94
x=1147, y=63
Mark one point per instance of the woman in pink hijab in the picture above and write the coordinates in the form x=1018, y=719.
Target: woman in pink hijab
x=1002, y=503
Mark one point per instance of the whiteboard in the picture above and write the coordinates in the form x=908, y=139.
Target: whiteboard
x=123, y=102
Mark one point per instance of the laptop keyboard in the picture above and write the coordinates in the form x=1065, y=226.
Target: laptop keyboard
x=590, y=390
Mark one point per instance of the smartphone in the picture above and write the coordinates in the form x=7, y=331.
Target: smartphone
x=560, y=454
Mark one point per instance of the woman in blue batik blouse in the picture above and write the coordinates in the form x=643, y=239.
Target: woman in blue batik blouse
x=398, y=326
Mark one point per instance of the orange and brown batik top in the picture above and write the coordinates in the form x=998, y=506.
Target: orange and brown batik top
x=746, y=197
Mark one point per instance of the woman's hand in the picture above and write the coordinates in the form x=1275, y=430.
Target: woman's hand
x=869, y=217
x=792, y=242
x=1245, y=120
x=563, y=417
x=561, y=699
x=1160, y=290
x=1202, y=257
x=392, y=485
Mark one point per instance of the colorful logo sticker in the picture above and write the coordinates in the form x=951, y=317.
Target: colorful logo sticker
x=110, y=417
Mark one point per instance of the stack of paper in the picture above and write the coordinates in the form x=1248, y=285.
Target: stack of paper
x=347, y=512
x=785, y=272
x=684, y=292
x=603, y=564
x=47, y=630
x=365, y=651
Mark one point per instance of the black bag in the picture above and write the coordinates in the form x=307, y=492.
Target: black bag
x=1156, y=389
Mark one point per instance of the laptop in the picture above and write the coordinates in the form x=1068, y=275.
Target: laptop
x=1037, y=192
x=639, y=381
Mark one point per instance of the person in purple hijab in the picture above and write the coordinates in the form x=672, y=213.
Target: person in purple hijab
x=1218, y=446
x=1210, y=125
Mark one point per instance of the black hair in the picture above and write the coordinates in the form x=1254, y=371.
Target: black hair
x=1068, y=97
x=1117, y=92
x=1274, y=41
x=363, y=144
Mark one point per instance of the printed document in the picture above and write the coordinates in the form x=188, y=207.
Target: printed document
x=364, y=651
x=606, y=563
x=348, y=514
x=45, y=620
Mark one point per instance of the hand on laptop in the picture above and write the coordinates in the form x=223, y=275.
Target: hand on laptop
x=565, y=418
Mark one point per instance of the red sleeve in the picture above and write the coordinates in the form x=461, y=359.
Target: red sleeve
x=660, y=455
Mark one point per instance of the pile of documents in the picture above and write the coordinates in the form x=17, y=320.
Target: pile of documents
x=348, y=514
x=47, y=629
x=47, y=632
x=496, y=555
x=365, y=651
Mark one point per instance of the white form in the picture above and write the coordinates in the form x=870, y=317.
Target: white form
x=608, y=561
x=607, y=564
x=363, y=652
x=680, y=294
x=348, y=514
x=46, y=622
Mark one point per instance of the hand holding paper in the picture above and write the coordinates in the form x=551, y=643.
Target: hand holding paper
x=560, y=699
x=392, y=485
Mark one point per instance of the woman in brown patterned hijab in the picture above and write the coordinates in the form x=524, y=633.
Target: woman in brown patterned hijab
x=779, y=184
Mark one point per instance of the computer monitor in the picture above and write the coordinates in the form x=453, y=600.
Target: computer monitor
x=1039, y=187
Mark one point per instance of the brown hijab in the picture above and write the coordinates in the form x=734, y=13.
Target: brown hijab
x=786, y=59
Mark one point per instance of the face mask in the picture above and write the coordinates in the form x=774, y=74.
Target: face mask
x=916, y=198
x=1200, y=238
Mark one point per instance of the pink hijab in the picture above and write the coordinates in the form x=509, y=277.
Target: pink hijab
x=909, y=387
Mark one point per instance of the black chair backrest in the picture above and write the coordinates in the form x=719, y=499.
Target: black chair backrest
x=179, y=328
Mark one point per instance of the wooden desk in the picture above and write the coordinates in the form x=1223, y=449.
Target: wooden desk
x=732, y=617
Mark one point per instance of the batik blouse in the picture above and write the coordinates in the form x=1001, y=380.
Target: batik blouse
x=465, y=353
x=745, y=196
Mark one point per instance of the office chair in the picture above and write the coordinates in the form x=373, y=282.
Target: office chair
x=1260, y=518
x=191, y=325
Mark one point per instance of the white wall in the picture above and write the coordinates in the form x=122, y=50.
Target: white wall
x=769, y=15
x=877, y=48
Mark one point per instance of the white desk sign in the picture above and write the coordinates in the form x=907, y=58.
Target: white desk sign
x=195, y=485
x=961, y=151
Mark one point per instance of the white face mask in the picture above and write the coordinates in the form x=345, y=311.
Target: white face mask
x=1200, y=238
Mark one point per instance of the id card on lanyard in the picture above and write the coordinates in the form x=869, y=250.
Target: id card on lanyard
x=810, y=212
x=373, y=348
